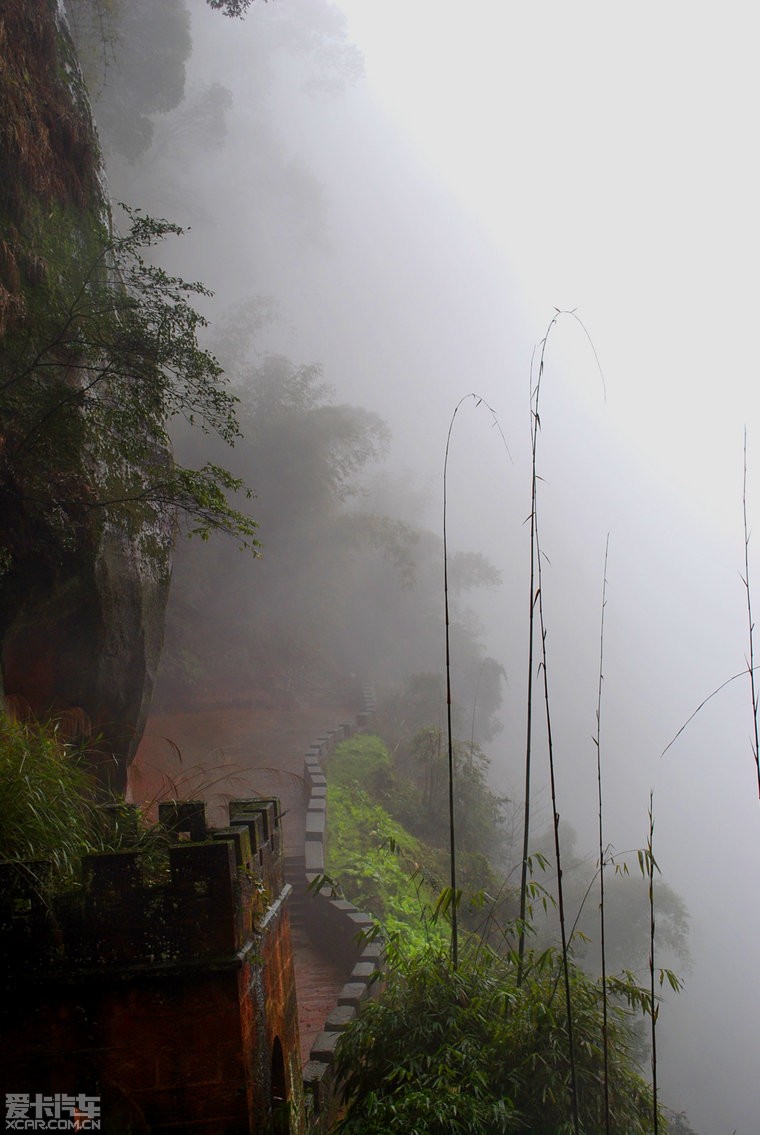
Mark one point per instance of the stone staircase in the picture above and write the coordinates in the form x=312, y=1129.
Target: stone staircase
x=295, y=874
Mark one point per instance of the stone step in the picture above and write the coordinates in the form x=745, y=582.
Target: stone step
x=294, y=870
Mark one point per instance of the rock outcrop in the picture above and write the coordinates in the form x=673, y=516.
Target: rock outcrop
x=89, y=637
x=82, y=591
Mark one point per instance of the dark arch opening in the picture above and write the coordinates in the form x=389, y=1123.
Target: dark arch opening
x=280, y=1105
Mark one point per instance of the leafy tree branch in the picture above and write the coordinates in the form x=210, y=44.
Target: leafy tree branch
x=108, y=356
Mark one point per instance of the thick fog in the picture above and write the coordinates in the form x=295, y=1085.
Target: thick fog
x=418, y=188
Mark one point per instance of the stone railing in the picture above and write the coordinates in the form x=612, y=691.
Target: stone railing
x=170, y=987
x=336, y=927
x=120, y=917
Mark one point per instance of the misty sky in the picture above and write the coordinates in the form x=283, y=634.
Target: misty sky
x=606, y=156
x=497, y=162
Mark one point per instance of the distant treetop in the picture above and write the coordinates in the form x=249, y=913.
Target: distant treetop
x=231, y=7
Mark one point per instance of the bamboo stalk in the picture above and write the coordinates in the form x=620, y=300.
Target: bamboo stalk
x=558, y=854
x=751, y=659
x=654, y=1013
x=451, y=770
x=602, y=854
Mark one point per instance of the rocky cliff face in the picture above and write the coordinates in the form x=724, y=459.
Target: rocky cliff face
x=82, y=591
x=88, y=637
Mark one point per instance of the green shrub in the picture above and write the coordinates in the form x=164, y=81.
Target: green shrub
x=380, y=867
x=362, y=761
x=47, y=797
x=444, y=1051
x=51, y=811
x=378, y=856
x=376, y=862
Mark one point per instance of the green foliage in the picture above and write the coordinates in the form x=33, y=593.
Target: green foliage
x=373, y=859
x=417, y=701
x=626, y=899
x=108, y=355
x=364, y=762
x=133, y=54
x=309, y=460
x=380, y=867
x=305, y=456
x=443, y=1052
x=471, y=1049
x=379, y=860
x=420, y=796
x=678, y=1124
x=480, y=815
x=232, y=8
x=46, y=797
x=328, y=445
x=627, y=924
x=414, y=704
x=51, y=812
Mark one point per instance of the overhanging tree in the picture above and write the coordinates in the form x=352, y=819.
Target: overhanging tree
x=106, y=356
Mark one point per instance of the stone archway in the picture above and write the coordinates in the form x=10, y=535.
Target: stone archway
x=279, y=1092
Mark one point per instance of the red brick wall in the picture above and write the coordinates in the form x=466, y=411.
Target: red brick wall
x=165, y=1001
x=164, y=1053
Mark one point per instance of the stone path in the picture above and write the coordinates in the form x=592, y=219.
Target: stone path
x=318, y=984
x=227, y=753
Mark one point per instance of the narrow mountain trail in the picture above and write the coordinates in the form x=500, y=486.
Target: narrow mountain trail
x=229, y=753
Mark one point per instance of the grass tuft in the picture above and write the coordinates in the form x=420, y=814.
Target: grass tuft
x=47, y=797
